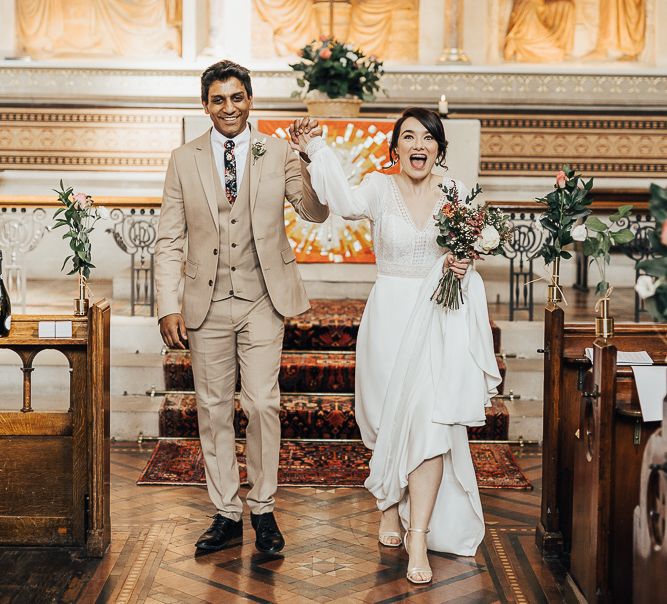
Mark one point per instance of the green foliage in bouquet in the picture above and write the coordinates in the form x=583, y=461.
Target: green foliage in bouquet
x=597, y=246
x=337, y=70
x=654, y=288
x=568, y=203
x=79, y=216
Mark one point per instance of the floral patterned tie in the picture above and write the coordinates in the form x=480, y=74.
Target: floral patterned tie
x=230, y=172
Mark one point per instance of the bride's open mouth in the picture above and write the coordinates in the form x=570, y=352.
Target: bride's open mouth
x=418, y=161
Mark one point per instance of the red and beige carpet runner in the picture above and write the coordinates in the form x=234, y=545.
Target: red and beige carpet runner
x=317, y=411
x=307, y=416
x=319, y=463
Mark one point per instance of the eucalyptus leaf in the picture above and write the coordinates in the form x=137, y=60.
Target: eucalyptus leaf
x=595, y=224
x=623, y=236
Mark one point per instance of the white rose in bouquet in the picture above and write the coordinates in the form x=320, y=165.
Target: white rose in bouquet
x=580, y=232
x=646, y=286
x=488, y=240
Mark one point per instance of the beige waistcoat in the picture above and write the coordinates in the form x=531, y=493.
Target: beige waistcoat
x=239, y=272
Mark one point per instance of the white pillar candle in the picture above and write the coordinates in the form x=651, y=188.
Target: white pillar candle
x=443, y=107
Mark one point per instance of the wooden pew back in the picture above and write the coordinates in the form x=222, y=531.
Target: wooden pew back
x=650, y=522
x=608, y=448
x=565, y=367
x=54, y=466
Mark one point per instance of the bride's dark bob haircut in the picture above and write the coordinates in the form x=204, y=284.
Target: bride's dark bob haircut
x=433, y=124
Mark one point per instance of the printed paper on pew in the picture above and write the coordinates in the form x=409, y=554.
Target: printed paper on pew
x=651, y=386
x=627, y=358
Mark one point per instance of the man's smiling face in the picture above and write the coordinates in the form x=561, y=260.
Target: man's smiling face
x=229, y=106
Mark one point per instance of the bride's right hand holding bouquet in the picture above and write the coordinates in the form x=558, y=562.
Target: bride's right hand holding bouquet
x=467, y=231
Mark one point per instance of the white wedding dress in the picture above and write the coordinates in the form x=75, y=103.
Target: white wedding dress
x=422, y=373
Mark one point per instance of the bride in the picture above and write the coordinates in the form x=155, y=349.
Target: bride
x=422, y=373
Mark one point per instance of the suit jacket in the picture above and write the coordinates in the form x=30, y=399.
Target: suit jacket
x=190, y=214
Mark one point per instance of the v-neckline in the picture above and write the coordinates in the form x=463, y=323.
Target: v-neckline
x=406, y=210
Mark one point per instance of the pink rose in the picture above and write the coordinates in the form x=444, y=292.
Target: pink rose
x=325, y=53
x=324, y=38
x=561, y=179
x=663, y=233
x=82, y=201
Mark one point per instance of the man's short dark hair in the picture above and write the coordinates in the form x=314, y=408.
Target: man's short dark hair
x=222, y=71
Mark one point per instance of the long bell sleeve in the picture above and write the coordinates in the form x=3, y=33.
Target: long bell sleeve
x=333, y=189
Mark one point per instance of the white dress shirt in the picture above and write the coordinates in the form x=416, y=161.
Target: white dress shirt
x=241, y=146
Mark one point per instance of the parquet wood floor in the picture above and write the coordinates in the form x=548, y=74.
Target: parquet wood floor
x=332, y=554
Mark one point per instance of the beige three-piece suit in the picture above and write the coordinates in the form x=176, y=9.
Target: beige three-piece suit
x=241, y=279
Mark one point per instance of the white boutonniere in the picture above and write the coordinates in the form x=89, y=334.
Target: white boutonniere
x=258, y=149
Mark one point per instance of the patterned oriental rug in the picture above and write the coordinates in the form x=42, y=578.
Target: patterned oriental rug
x=300, y=371
x=319, y=463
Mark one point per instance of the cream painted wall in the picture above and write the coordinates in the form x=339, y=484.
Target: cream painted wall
x=7, y=45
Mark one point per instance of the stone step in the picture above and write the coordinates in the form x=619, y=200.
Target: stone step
x=300, y=371
x=525, y=378
x=526, y=419
x=310, y=416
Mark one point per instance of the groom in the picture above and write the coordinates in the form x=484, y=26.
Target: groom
x=223, y=197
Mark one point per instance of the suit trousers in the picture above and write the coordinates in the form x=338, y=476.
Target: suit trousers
x=247, y=335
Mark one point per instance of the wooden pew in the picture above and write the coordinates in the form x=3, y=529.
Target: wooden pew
x=608, y=448
x=650, y=522
x=54, y=466
x=565, y=367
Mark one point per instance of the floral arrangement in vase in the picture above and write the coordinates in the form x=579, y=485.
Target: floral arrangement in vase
x=599, y=236
x=79, y=215
x=652, y=286
x=336, y=71
x=565, y=206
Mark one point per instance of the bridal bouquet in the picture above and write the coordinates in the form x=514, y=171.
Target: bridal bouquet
x=467, y=231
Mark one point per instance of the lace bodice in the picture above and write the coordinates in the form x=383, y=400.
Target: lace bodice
x=401, y=248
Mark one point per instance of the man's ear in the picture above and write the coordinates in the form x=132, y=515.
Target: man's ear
x=205, y=106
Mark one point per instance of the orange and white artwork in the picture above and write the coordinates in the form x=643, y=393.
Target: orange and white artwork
x=362, y=146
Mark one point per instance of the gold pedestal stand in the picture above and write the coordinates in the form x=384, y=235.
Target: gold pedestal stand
x=604, y=322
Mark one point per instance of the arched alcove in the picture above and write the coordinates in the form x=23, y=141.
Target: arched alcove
x=50, y=381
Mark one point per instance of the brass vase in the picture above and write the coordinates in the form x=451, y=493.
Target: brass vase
x=81, y=303
x=604, y=322
x=554, y=295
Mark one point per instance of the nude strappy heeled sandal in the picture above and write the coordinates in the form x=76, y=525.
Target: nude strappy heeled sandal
x=384, y=539
x=417, y=570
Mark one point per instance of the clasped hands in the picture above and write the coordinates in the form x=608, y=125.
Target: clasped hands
x=302, y=131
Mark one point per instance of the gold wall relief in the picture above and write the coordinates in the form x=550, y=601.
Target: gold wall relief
x=540, y=30
x=622, y=30
x=98, y=28
x=552, y=31
x=389, y=30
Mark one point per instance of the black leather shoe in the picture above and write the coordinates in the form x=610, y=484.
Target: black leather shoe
x=269, y=539
x=222, y=533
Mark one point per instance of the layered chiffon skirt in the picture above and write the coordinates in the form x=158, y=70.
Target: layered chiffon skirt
x=423, y=375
